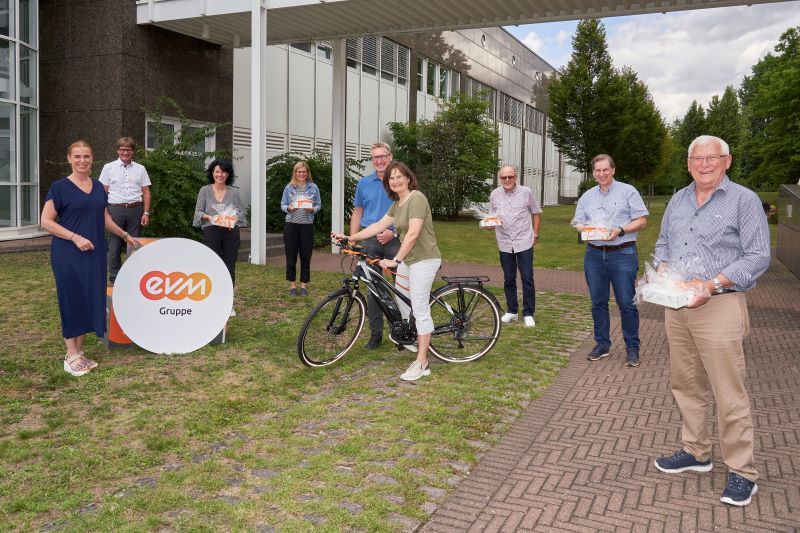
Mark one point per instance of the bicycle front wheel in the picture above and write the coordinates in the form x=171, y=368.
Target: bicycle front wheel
x=331, y=330
x=466, y=323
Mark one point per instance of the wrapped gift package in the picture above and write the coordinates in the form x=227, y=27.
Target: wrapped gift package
x=490, y=222
x=302, y=202
x=666, y=294
x=595, y=234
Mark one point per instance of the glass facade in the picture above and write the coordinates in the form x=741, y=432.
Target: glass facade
x=19, y=118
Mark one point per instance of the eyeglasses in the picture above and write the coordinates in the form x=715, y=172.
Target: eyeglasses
x=124, y=149
x=380, y=157
x=301, y=171
x=713, y=159
x=505, y=178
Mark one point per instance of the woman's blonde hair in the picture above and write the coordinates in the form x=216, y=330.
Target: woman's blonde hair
x=301, y=164
x=79, y=143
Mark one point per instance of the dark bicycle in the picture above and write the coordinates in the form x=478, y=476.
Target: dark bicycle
x=466, y=316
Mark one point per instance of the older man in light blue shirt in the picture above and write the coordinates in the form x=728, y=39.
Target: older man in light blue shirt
x=615, y=261
x=716, y=230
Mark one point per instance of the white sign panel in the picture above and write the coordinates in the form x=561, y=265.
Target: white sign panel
x=173, y=296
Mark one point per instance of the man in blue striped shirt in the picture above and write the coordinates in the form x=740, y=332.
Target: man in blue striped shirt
x=717, y=230
x=613, y=262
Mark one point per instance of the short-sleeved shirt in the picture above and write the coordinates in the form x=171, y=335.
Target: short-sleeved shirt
x=372, y=197
x=619, y=205
x=728, y=234
x=124, y=182
x=416, y=206
x=515, y=208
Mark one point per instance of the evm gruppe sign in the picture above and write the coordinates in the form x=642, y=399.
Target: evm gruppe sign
x=173, y=296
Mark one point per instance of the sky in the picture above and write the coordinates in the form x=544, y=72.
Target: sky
x=681, y=56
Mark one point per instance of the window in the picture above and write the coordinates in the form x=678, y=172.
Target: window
x=444, y=80
x=353, y=52
x=369, y=55
x=431, y=85
x=170, y=131
x=324, y=50
x=420, y=74
x=403, y=58
x=305, y=47
x=388, y=59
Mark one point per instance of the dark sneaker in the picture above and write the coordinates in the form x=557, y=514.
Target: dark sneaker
x=293, y=292
x=597, y=353
x=632, y=358
x=303, y=291
x=374, y=342
x=682, y=461
x=739, y=491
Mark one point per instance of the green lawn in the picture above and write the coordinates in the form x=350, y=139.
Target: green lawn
x=242, y=436
x=463, y=241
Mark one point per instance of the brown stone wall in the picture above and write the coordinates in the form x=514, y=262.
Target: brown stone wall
x=100, y=72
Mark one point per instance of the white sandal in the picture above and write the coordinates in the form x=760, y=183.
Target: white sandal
x=90, y=362
x=79, y=361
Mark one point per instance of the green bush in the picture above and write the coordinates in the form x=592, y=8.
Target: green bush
x=279, y=173
x=177, y=170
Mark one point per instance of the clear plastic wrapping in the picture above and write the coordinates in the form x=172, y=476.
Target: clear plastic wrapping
x=673, y=285
x=224, y=215
x=488, y=218
x=597, y=228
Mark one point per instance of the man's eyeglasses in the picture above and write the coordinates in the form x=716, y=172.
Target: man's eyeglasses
x=380, y=157
x=713, y=159
x=506, y=178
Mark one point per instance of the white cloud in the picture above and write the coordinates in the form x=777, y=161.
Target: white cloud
x=534, y=42
x=694, y=55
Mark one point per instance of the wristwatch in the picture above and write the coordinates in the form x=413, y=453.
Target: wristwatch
x=718, y=288
x=146, y=213
x=621, y=232
x=397, y=260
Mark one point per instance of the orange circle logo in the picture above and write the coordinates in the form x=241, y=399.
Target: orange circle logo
x=157, y=285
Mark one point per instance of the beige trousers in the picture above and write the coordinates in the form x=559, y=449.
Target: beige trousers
x=707, y=362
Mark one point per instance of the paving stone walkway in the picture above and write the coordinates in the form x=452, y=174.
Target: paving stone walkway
x=580, y=458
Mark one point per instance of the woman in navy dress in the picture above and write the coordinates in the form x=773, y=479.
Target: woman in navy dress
x=75, y=214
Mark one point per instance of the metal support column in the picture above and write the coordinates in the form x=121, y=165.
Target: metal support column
x=338, y=148
x=258, y=142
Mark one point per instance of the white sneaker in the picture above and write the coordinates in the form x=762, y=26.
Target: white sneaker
x=411, y=347
x=530, y=322
x=508, y=317
x=415, y=371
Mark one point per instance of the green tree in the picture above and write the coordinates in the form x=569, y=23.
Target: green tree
x=581, y=97
x=279, y=172
x=454, y=155
x=177, y=171
x=594, y=108
x=724, y=120
x=682, y=131
x=772, y=107
x=640, y=139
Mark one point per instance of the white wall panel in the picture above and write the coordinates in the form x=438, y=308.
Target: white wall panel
x=401, y=107
x=277, y=88
x=323, y=102
x=386, y=112
x=369, y=109
x=551, y=174
x=353, y=103
x=570, y=181
x=301, y=94
x=533, y=163
x=510, y=147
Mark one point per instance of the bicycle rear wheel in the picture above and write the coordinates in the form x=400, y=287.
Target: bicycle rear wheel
x=331, y=330
x=466, y=323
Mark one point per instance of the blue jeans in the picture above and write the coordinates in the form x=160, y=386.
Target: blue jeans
x=616, y=269
x=511, y=262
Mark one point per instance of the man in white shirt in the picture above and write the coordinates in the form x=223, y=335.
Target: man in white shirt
x=128, y=188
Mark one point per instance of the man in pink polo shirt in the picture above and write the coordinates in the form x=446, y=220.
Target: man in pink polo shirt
x=516, y=237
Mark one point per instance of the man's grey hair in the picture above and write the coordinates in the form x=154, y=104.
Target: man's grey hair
x=707, y=139
x=512, y=167
x=380, y=145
